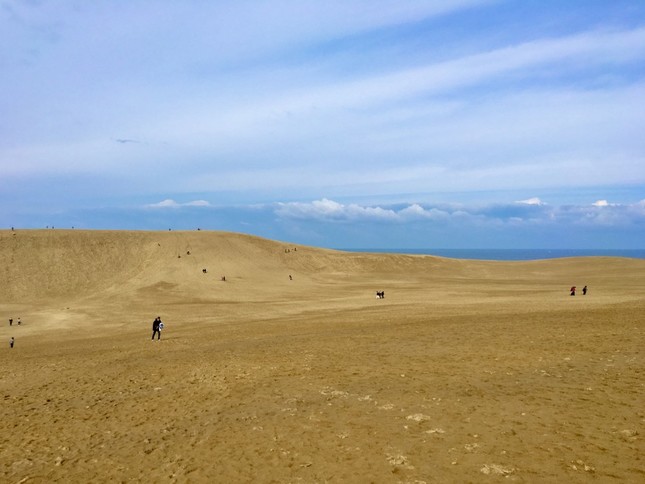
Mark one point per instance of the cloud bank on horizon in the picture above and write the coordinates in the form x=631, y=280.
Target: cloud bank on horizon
x=453, y=115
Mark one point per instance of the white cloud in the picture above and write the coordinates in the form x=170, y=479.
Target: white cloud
x=492, y=215
x=605, y=203
x=416, y=211
x=169, y=203
x=331, y=210
x=198, y=203
x=531, y=201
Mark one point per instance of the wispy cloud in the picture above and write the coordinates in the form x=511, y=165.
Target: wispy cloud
x=531, y=201
x=169, y=203
x=342, y=100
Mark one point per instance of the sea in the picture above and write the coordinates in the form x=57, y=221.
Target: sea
x=511, y=254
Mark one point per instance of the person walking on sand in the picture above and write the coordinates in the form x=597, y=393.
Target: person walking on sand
x=155, y=328
x=573, y=291
x=584, y=291
x=11, y=341
x=10, y=321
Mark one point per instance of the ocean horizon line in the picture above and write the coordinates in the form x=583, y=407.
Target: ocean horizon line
x=506, y=254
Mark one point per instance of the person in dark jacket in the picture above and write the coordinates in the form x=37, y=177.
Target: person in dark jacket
x=155, y=328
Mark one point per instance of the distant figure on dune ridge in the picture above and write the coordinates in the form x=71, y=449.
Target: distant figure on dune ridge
x=156, y=328
x=584, y=291
x=11, y=342
x=573, y=291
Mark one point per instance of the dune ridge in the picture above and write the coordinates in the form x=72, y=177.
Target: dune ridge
x=466, y=371
x=61, y=263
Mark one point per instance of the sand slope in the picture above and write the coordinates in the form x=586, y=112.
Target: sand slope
x=468, y=371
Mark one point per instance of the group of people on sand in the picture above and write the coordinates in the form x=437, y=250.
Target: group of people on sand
x=572, y=291
x=380, y=294
x=205, y=271
x=12, y=340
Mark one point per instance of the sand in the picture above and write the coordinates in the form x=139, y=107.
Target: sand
x=467, y=371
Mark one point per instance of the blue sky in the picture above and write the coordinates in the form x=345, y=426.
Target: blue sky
x=339, y=123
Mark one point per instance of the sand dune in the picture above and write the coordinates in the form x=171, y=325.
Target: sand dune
x=467, y=371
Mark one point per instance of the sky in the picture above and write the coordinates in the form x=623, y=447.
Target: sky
x=334, y=123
